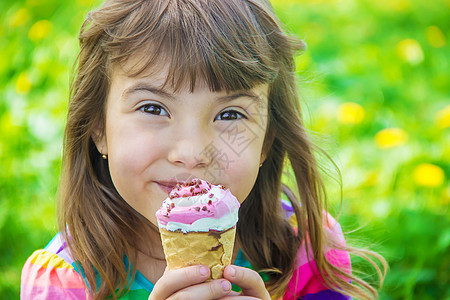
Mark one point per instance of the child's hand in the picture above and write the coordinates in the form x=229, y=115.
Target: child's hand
x=189, y=283
x=248, y=280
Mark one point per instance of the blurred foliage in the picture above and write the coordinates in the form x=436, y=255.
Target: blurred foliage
x=375, y=88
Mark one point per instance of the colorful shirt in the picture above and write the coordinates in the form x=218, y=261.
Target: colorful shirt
x=51, y=273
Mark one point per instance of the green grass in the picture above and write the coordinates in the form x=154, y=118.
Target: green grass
x=388, y=59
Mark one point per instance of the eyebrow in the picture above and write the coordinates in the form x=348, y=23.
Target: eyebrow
x=145, y=87
x=142, y=87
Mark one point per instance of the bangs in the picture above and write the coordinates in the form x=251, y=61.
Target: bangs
x=222, y=43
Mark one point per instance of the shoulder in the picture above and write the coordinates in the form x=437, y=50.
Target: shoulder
x=306, y=282
x=49, y=274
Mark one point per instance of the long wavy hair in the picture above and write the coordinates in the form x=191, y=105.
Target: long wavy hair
x=230, y=45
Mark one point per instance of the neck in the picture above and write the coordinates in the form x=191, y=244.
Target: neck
x=150, y=260
x=149, y=244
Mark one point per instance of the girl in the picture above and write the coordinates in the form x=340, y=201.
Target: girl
x=168, y=90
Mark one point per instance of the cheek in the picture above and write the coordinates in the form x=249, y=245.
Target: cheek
x=245, y=179
x=126, y=155
x=243, y=171
x=130, y=153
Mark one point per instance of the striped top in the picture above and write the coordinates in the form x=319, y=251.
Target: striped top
x=51, y=273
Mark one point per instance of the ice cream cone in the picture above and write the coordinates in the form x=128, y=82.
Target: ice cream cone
x=197, y=224
x=213, y=249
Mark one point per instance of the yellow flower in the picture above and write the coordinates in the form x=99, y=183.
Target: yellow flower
x=391, y=137
x=20, y=17
x=428, y=175
x=410, y=51
x=443, y=117
x=435, y=37
x=40, y=30
x=350, y=113
x=23, y=84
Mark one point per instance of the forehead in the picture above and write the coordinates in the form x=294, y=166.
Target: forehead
x=160, y=77
x=132, y=73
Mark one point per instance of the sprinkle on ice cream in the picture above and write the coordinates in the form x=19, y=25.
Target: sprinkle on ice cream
x=198, y=206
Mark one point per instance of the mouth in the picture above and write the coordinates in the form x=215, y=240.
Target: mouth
x=166, y=186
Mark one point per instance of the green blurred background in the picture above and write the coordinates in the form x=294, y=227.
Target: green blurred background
x=375, y=91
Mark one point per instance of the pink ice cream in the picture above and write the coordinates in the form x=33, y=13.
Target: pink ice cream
x=198, y=206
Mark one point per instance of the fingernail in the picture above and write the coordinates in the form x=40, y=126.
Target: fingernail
x=225, y=285
x=232, y=271
x=203, y=271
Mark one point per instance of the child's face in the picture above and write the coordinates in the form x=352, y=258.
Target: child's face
x=155, y=138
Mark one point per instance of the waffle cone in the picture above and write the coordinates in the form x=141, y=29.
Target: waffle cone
x=213, y=248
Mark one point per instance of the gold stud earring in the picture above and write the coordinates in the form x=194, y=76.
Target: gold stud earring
x=260, y=165
x=104, y=156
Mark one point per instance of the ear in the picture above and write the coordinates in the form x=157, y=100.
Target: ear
x=99, y=138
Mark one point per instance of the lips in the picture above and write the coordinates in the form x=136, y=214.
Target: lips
x=167, y=183
x=166, y=186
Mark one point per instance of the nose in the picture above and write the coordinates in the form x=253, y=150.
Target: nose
x=191, y=151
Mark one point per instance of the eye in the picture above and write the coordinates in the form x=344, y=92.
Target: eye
x=230, y=115
x=154, y=109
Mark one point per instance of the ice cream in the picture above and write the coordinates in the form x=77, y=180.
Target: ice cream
x=197, y=223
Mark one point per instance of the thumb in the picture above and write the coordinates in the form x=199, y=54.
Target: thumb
x=166, y=270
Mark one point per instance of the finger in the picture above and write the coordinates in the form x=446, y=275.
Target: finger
x=237, y=296
x=208, y=290
x=175, y=280
x=248, y=280
x=232, y=295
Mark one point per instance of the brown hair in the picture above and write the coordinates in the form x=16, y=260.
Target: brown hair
x=231, y=45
